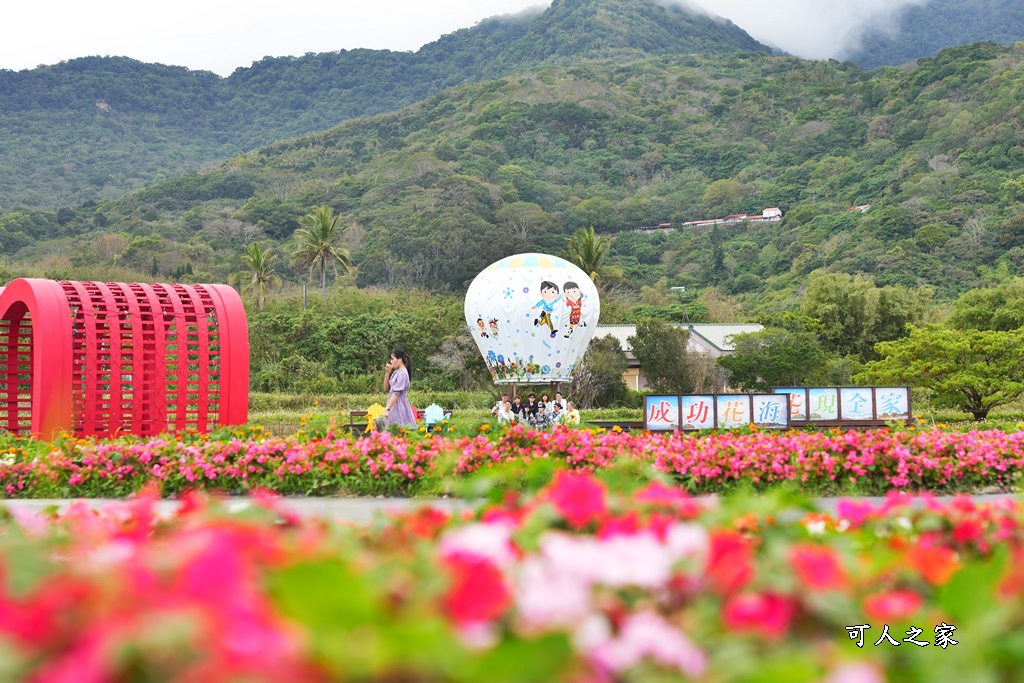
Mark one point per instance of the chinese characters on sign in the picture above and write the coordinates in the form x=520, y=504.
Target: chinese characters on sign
x=698, y=412
x=733, y=411
x=661, y=412
x=797, y=402
x=710, y=411
x=770, y=410
x=847, y=405
x=943, y=636
x=822, y=404
x=856, y=403
x=892, y=403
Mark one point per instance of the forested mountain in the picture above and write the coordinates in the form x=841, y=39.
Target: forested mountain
x=440, y=189
x=921, y=30
x=94, y=128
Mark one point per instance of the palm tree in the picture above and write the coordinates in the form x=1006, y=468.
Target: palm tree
x=260, y=275
x=587, y=250
x=318, y=244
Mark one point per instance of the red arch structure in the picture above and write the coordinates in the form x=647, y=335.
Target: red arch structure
x=103, y=359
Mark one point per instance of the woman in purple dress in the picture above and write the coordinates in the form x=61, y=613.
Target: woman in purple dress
x=396, y=383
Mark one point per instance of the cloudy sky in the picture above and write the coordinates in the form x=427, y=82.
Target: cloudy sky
x=220, y=36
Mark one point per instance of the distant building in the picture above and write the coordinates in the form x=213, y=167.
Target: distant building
x=712, y=339
x=770, y=215
x=661, y=227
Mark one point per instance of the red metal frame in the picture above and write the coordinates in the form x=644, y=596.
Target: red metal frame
x=102, y=359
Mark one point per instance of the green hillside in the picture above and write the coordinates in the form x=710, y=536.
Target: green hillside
x=440, y=189
x=95, y=128
x=923, y=29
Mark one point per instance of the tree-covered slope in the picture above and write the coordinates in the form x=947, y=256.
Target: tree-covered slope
x=921, y=30
x=94, y=128
x=440, y=189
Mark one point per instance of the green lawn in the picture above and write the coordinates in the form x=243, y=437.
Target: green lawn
x=285, y=413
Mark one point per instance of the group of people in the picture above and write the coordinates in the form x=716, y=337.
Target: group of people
x=539, y=414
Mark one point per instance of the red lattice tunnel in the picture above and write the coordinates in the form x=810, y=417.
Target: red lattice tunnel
x=102, y=359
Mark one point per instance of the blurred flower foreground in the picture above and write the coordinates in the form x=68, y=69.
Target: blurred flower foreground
x=586, y=578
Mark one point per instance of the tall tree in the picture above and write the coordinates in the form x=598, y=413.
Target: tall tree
x=259, y=275
x=598, y=379
x=773, y=357
x=993, y=308
x=588, y=250
x=974, y=370
x=663, y=353
x=318, y=245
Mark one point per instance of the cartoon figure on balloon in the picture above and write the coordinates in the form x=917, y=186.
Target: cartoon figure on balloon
x=508, y=295
x=574, y=300
x=548, y=298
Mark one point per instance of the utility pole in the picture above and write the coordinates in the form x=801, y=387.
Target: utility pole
x=680, y=291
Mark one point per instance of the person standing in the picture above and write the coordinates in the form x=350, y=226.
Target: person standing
x=560, y=401
x=499, y=405
x=398, y=411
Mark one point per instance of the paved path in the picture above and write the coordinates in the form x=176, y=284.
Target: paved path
x=362, y=510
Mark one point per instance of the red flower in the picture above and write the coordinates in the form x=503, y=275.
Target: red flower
x=936, y=564
x=580, y=499
x=817, y=566
x=477, y=591
x=622, y=525
x=968, y=531
x=764, y=613
x=426, y=522
x=1012, y=584
x=730, y=566
x=892, y=605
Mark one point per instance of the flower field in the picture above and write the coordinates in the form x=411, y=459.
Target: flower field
x=590, y=578
x=823, y=463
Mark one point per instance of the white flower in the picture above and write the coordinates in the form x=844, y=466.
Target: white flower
x=488, y=541
x=815, y=528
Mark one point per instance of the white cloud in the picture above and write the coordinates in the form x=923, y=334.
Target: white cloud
x=220, y=36
x=814, y=29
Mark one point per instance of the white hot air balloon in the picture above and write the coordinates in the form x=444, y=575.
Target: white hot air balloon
x=532, y=316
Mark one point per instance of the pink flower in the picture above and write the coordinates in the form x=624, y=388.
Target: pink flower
x=853, y=511
x=817, y=566
x=856, y=672
x=892, y=605
x=657, y=493
x=764, y=613
x=579, y=498
x=547, y=598
x=647, y=635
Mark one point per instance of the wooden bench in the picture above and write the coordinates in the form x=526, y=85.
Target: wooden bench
x=357, y=428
